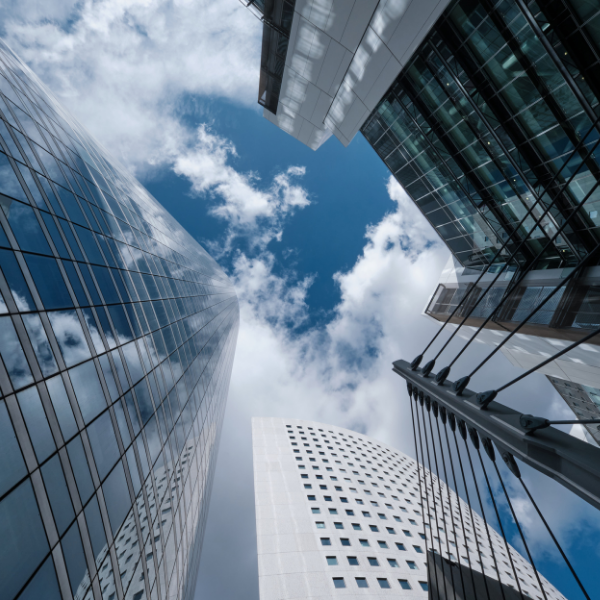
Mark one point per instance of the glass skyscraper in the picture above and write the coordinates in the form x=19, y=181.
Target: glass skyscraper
x=117, y=335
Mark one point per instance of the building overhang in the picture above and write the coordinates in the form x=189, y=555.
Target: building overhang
x=342, y=57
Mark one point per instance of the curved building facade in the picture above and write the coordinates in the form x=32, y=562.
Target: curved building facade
x=117, y=336
x=339, y=516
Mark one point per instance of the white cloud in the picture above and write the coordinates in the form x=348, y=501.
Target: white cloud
x=247, y=206
x=126, y=68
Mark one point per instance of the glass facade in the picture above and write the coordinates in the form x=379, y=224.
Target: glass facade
x=117, y=335
x=496, y=114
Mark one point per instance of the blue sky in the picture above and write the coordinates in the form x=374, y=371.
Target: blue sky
x=333, y=264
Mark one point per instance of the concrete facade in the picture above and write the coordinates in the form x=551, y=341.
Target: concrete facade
x=316, y=482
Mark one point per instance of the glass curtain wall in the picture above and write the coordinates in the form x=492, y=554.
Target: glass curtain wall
x=495, y=116
x=117, y=335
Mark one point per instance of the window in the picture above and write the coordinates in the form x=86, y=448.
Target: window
x=333, y=511
x=364, y=542
x=345, y=541
x=356, y=526
x=366, y=514
x=332, y=560
x=307, y=486
x=339, y=582
x=418, y=549
x=322, y=487
x=327, y=498
x=382, y=516
x=397, y=519
x=338, y=488
x=391, y=530
x=333, y=478
x=339, y=525
x=361, y=582
x=304, y=476
x=315, y=510
x=425, y=587
x=318, y=476
x=407, y=533
x=349, y=512
x=344, y=500
x=311, y=498
x=392, y=562
x=320, y=524
x=325, y=542
x=400, y=546
x=411, y=564
x=404, y=584
x=373, y=561
x=383, y=583
x=359, y=501
x=352, y=560
x=373, y=528
x=382, y=544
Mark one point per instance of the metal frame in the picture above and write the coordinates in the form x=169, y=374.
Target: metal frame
x=571, y=462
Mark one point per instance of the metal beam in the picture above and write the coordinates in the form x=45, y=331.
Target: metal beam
x=571, y=462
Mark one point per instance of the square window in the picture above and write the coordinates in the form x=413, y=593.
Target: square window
x=359, y=501
x=373, y=528
x=332, y=560
x=327, y=498
x=412, y=565
x=391, y=530
x=418, y=549
x=404, y=584
x=392, y=562
x=361, y=582
x=383, y=583
x=356, y=526
x=373, y=561
x=366, y=514
x=325, y=542
x=349, y=512
x=364, y=542
x=339, y=582
x=331, y=469
x=304, y=476
x=345, y=541
x=339, y=525
x=352, y=560
x=425, y=587
x=382, y=544
x=320, y=525
x=307, y=486
x=338, y=488
x=322, y=487
x=407, y=533
x=333, y=511
x=382, y=516
x=319, y=476
x=312, y=498
x=344, y=500
x=400, y=546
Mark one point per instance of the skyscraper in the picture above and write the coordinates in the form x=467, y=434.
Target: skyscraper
x=339, y=515
x=486, y=114
x=117, y=335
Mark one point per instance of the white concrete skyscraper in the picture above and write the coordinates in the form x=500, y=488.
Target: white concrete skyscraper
x=339, y=515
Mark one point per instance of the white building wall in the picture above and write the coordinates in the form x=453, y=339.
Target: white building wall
x=342, y=57
x=292, y=561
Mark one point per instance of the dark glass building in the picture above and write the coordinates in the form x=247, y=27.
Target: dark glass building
x=492, y=129
x=117, y=335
